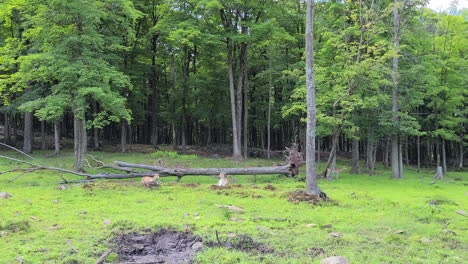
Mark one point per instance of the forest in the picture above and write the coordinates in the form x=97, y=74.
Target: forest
x=379, y=86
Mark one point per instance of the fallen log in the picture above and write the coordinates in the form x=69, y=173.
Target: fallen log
x=291, y=169
x=179, y=172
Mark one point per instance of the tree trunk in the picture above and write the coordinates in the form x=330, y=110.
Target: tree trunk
x=28, y=132
x=311, y=176
x=395, y=141
x=7, y=129
x=331, y=174
x=174, y=135
x=418, y=146
x=80, y=138
x=461, y=153
x=400, y=159
x=444, y=158
x=43, y=135
x=371, y=150
x=246, y=105
x=355, y=157
x=332, y=152
x=154, y=91
x=270, y=88
x=235, y=138
x=56, y=137
x=123, y=136
x=439, y=174
x=407, y=152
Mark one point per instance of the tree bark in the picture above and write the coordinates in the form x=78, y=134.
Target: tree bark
x=123, y=136
x=395, y=140
x=80, y=140
x=418, y=146
x=355, y=157
x=246, y=107
x=461, y=152
x=235, y=138
x=311, y=176
x=56, y=137
x=400, y=159
x=270, y=88
x=7, y=129
x=28, y=132
x=154, y=88
x=444, y=158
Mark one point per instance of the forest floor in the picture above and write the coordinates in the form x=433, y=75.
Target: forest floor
x=372, y=219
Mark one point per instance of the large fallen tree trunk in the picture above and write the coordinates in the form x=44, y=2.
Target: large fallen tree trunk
x=286, y=169
x=291, y=169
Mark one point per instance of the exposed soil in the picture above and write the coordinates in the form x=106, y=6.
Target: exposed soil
x=314, y=251
x=190, y=185
x=242, y=243
x=162, y=246
x=301, y=196
x=269, y=187
x=217, y=187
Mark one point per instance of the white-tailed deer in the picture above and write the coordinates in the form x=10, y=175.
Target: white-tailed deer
x=336, y=171
x=149, y=182
x=223, y=181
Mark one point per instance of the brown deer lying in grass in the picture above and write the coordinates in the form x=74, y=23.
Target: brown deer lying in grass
x=150, y=182
x=336, y=171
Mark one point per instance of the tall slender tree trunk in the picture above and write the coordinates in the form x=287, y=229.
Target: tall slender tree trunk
x=7, y=129
x=270, y=88
x=461, y=151
x=444, y=158
x=56, y=137
x=395, y=159
x=407, y=152
x=174, y=135
x=154, y=90
x=14, y=126
x=123, y=136
x=43, y=135
x=418, y=149
x=246, y=104
x=80, y=138
x=236, y=153
x=400, y=159
x=28, y=132
x=355, y=156
x=311, y=175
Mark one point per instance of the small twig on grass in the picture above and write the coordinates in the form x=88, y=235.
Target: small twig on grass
x=26, y=172
x=71, y=245
x=462, y=213
x=217, y=238
x=103, y=257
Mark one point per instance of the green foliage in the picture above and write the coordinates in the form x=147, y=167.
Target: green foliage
x=171, y=154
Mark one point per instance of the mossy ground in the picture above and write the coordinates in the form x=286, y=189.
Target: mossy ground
x=367, y=212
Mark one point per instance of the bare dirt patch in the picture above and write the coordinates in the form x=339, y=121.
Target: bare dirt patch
x=301, y=196
x=242, y=243
x=162, y=246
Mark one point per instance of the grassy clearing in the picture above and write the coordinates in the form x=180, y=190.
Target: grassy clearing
x=369, y=210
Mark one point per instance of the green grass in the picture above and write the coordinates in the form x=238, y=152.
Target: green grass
x=368, y=211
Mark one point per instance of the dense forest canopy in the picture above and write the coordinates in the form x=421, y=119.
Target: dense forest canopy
x=118, y=72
